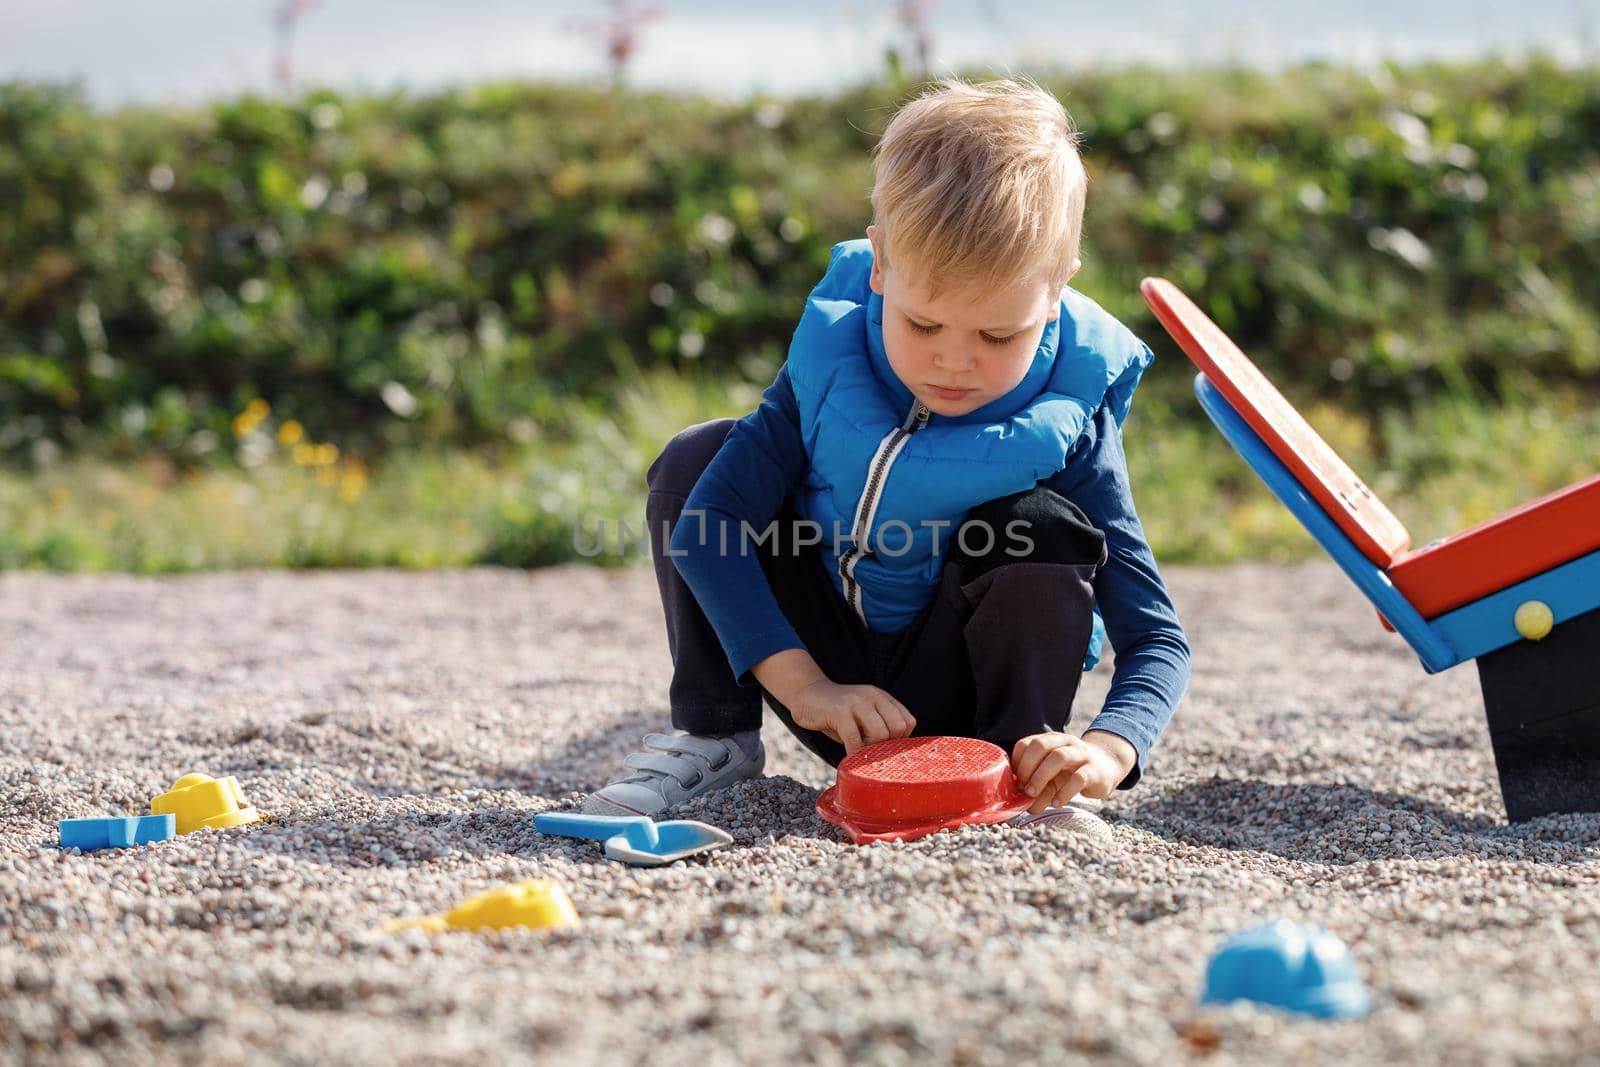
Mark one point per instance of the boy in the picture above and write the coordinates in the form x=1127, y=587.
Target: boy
x=920, y=528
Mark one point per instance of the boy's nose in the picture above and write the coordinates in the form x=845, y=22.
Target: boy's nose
x=953, y=361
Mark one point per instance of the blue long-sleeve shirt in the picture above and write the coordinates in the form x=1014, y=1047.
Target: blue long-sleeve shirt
x=762, y=461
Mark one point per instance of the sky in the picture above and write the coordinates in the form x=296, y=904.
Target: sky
x=152, y=51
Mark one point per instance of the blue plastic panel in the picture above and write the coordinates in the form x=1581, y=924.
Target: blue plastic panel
x=1482, y=626
x=1429, y=644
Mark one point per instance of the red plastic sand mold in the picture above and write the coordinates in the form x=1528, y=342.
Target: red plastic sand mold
x=914, y=786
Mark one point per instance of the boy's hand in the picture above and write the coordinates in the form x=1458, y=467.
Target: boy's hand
x=1053, y=768
x=853, y=715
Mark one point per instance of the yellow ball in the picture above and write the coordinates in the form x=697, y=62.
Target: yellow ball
x=1534, y=620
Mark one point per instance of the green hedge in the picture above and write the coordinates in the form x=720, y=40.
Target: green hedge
x=463, y=267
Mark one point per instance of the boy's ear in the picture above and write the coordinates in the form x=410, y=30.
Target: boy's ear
x=1055, y=310
x=876, y=280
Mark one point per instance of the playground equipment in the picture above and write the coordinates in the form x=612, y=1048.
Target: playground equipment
x=1293, y=966
x=199, y=801
x=1520, y=594
x=636, y=839
x=910, y=787
x=538, y=903
x=88, y=835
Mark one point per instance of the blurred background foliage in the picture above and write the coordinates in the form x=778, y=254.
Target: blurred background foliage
x=441, y=329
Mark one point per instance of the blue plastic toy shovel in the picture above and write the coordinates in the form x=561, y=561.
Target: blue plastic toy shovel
x=636, y=839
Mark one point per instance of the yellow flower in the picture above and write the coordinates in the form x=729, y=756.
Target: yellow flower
x=327, y=455
x=567, y=181
x=246, y=421
x=351, y=484
x=304, y=454
x=291, y=433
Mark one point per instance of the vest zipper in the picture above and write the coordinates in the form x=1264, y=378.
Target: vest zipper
x=877, y=474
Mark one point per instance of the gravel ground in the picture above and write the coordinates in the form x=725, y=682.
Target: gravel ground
x=399, y=731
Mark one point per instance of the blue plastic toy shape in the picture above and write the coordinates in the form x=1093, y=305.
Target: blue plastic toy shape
x=1294, y=966
x=636, y=839
x=88, y=835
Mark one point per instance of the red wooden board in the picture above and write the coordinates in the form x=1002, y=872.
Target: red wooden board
x=1319, y=470
x=1522, y=543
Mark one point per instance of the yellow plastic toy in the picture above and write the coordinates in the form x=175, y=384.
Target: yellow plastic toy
x=199, y=800
x=537, y=902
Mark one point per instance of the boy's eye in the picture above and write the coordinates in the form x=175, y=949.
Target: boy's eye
x=935, y=329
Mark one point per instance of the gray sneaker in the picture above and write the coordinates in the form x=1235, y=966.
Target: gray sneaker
x=1080, y=815
x=669, y=770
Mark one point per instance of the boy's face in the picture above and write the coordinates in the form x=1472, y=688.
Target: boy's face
x=955, y=354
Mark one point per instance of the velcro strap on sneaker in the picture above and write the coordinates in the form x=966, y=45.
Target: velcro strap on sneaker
x=671, y=766
x=712, y=751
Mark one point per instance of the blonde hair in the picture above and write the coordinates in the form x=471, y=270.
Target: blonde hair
x=979, y=186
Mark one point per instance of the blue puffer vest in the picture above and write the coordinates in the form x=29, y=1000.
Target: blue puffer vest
x=880, y=459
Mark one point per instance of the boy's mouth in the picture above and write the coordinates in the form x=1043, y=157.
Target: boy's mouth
x=950, y=394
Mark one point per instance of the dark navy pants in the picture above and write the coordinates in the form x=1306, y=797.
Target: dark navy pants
x=997, y=654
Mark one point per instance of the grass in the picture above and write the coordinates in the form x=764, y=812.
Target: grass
x=1452, y=461
x=299, y=505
